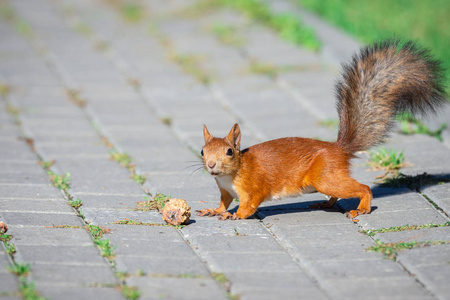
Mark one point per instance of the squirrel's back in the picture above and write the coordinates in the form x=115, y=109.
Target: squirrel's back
x=383, y=80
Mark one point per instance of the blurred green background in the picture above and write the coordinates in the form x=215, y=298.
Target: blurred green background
x=424, y=21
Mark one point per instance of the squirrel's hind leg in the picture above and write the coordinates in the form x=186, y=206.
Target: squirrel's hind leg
x=324, y=204
x=345, y=187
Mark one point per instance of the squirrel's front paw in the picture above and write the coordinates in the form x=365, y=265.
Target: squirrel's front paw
x=209, y=212
x=228, y=216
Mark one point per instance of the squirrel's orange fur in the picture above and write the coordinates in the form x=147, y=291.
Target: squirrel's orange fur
x=385, y=79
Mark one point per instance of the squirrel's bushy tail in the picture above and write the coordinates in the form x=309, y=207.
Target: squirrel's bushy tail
x=385, y=79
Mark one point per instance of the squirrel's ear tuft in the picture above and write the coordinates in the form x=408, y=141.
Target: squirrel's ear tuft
x=206, y=135
x=235, y=136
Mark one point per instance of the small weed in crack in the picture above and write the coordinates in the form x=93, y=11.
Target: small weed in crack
x=226, y=283
x=59, y=181
x=155, y=203
x=107, y=250
x=76, y=203
x=191, y=64
x=132, y=222
x=5, y=90
x=387, y=159
x=46, y=164
x=390, y=250
x=130, y=292
x=4, y=237
x=125, y=160
x=10, y=248
x=74, y=97
x=227, y=34
x=372, y=232
x=410, y=125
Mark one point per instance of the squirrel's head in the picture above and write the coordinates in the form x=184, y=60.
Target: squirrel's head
x=221, y=155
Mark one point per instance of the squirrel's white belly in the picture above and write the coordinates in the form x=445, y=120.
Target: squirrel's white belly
x=226, y=183
x=285, y=194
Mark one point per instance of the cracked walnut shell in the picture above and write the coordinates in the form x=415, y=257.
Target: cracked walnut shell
x=176, y=212
x=3, y=228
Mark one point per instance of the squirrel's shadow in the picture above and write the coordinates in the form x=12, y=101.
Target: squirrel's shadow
x=408, y=184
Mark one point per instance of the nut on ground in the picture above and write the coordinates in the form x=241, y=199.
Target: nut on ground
x=3, y=228
x=176, y=212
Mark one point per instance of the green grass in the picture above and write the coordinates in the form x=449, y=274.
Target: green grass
x=390, y=250
x=225, y=282
x=132, y=12
x=260, y=68
x=410, y=125
x=124, y=159
x=20, y=269
x=4, y=237
x=372, y=232
x=59, y=181
x=129, y=10
x=46, y=164
x=105, y=246
x=192, y=65
x=387, y=159
x=75, y=97
x=138, y=223
x=10, y=248
x=130, y=292
x=75, y=203
x=139, y=178
x=28, y=290
x=288, y=26
x=423, y=21
x=122, y=276
x=97, y=232
x=157, y=202
x=5, y=90
x=26, y=287
x=133, y=222
x=227, y=34
x=8, y=14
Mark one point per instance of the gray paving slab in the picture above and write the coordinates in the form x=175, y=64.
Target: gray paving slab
x=439, y=194
x=33, y=205
x=58, y=254
x=68, y=292
x=430, y=266
x=176, y=288
x=29, y=191
x=422, y=235
x=381, y=288
x=108, y=216
x=9, y=285
x=49, y=236
x=286, y=251
x=83, y=275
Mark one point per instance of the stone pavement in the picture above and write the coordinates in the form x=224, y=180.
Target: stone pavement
x=81, y=80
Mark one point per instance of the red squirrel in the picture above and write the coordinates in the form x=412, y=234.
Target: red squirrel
x=383, y=80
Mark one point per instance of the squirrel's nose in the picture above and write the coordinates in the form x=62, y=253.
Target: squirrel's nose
x=211, y=164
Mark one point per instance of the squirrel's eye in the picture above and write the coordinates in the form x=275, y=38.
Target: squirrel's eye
x=201, y=152
x=230, y=152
